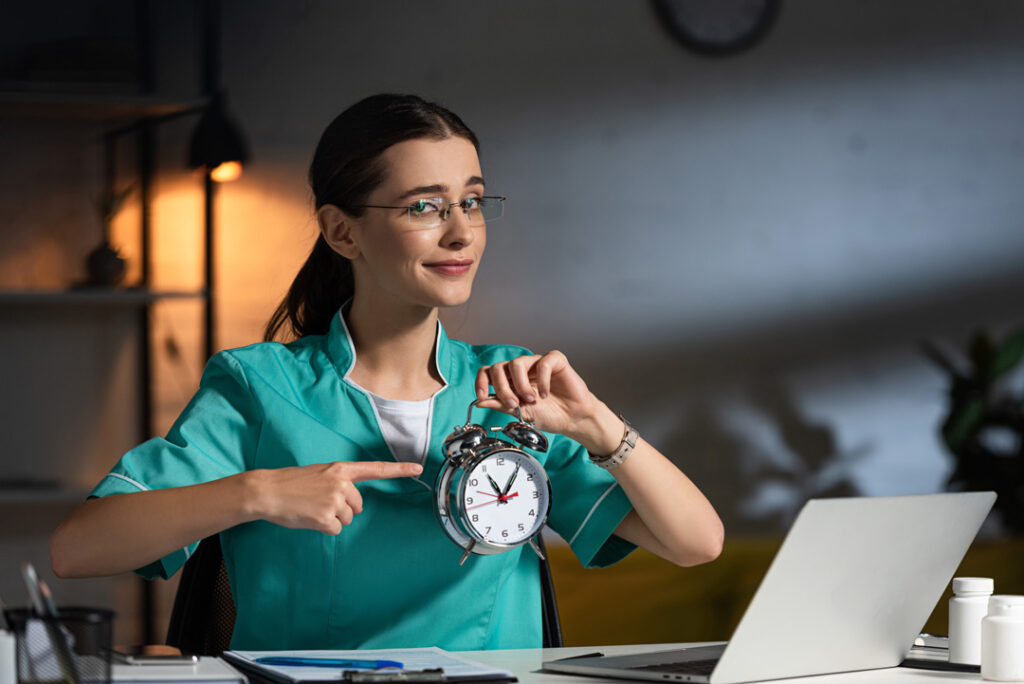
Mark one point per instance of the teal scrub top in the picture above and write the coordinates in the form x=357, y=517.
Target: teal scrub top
x=392, y=578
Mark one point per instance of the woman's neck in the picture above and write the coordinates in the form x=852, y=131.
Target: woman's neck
x=394, y=348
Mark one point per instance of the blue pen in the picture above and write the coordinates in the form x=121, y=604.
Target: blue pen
x=295, y=661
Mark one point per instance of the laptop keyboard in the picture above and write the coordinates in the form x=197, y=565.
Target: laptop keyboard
x=685, y=667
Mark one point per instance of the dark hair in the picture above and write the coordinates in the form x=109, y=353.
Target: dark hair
x=346, y=168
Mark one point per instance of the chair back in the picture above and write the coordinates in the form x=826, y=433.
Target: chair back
x=203, y=616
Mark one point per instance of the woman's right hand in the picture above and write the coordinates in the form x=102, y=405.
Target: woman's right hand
x=320, y=497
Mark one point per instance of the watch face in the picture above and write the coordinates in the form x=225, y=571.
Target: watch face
x=505, y=497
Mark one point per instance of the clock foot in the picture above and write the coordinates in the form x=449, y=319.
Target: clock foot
x=536, y=549
x=469, y=549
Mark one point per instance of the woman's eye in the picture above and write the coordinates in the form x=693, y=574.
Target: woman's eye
x=422, y=207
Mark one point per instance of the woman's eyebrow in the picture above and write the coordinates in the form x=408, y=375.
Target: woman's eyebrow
x=424, y=189
x=438, y=188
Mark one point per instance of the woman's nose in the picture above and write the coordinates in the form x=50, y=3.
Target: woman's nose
x=457, y=229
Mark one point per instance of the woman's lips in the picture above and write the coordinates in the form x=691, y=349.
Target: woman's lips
x=451, y=267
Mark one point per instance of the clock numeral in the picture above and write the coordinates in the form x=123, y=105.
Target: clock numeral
x=531, y=512
x=488, y=530
x=521, y=528
x=504, y=533
x=483, y=469
x=501, y=460
x=536, y=495
x=529, y=478
x=476, y=518
x=469, y=499
x=473, y=482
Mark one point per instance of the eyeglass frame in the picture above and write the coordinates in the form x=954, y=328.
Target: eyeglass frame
x=444, y=212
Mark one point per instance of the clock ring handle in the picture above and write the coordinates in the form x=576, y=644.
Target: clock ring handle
x=492, y=395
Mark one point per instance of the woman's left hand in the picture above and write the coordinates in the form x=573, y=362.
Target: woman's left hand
x=550, y=393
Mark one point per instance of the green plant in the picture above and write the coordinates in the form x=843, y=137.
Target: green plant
x=984, y=426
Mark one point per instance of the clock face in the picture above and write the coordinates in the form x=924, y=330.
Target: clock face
x=718, y=27
x=505, y=497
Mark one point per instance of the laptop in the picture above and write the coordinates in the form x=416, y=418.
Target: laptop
x=849, y=589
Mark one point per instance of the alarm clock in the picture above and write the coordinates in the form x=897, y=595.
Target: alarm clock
x=490, y=495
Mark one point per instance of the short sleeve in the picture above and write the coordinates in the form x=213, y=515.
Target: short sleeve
x=214, y=437
x=587, y=504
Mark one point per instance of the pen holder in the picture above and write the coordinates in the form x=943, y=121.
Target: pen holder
x=86, y=636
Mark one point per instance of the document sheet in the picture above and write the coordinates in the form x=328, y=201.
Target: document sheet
x=455, y=667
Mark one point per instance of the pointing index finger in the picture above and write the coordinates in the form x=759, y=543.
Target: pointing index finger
x=360, y=471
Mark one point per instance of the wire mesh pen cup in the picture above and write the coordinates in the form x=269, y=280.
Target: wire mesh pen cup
x=72, y=648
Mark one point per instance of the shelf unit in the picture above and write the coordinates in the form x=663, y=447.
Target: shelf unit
x=127, y=115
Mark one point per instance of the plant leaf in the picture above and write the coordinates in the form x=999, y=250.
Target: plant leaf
x=962, y=423
x=1007, y=356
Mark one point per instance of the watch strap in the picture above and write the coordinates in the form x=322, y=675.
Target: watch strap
x=625, y=448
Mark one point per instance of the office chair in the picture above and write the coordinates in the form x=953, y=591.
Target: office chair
x=203, y=616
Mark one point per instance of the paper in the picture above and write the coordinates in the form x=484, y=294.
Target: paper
x=411, y=658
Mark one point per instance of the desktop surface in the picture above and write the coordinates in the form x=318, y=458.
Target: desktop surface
x=526, y=664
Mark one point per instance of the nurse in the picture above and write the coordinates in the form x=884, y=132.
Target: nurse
x=314, y=459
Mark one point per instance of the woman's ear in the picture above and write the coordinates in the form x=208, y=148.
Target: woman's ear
x=337, y=228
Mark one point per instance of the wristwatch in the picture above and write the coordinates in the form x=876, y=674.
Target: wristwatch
x=625, y=448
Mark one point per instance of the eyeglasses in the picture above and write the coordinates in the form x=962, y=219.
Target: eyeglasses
x=435, y=211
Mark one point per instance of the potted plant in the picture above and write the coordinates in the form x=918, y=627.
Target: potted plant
x=104, y=265
x=984, y=426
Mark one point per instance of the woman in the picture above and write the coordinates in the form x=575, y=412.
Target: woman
x=314, y=460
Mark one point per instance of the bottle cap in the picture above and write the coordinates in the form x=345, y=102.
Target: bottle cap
x=980, y=585
x=1005, y=604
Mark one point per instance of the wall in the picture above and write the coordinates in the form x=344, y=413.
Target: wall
x=746, y=252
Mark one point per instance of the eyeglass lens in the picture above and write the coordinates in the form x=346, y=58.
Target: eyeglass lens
x=434, y=212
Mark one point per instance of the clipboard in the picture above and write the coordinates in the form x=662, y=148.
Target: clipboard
x=424, y=665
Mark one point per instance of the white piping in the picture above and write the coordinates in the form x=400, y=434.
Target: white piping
x=592, y=509
x=129, y=480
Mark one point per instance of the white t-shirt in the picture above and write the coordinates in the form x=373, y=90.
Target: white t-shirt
x=404, y=425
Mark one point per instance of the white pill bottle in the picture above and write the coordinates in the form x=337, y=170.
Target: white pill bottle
x=967, y=609
x=1002, y=639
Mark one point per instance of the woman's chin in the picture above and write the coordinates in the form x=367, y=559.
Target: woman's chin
x=446, y=300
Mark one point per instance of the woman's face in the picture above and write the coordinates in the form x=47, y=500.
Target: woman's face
x=428, y=266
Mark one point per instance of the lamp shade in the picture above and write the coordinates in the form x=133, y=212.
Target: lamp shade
x=217, y=141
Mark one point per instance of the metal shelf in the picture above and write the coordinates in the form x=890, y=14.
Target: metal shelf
x=11, y=496
x=90, y=107
x=93, y=297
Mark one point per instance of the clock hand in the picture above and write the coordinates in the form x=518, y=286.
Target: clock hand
x=494, y=485
x=512, y=479
x=485, y=503
x=500, y=497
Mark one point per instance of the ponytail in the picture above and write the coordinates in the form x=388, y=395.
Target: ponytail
x=322, y=285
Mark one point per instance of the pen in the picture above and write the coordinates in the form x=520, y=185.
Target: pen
x=295, y=661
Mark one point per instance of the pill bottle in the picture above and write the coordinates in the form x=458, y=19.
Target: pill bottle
x=1002, y=639
x=967, y=609
x=8, y=669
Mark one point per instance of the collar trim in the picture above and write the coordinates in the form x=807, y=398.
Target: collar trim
x=439, y=339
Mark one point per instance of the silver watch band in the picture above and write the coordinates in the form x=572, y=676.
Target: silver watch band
x=625, y=448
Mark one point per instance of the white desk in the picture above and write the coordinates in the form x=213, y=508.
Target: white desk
x=525, y=663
